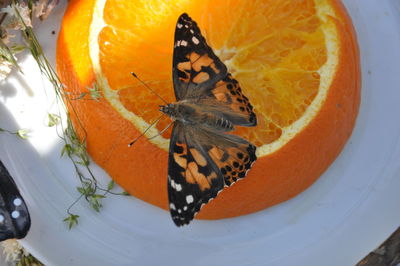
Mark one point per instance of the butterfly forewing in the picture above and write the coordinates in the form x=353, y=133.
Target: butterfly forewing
x=199, y=74
x=195, y=67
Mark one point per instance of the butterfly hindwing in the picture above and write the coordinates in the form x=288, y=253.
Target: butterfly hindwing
x=195, y=67
x=192, y=178
x=14, y=216
x=227, y=100
x=232, y=155
x=201, y=163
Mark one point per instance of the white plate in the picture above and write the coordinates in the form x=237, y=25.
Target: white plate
x=351, y=209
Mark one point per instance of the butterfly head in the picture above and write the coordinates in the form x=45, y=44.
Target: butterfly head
x=169, y=109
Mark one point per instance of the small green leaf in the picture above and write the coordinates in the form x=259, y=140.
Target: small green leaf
x=53, y=120
x=81, y=190
x=81, y=96
x=94, y=92
x=111, y=185
x=72, y=220
x=125, y=193
x=83, y=162
x=95, y=203
x=67, y=149
x=17, y=48
x=22, y=133
x=7, y=55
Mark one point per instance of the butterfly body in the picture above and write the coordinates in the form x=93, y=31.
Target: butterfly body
x=190, y=114
x=203, y=157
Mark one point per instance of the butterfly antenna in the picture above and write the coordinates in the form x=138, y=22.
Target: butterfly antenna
x=144, y=132
x=147, y=86
x=162, y=131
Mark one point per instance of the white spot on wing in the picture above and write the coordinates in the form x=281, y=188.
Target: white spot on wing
x=189, y=199
x=185, y=208
x=178, y=187
x=186, y=26
x=15, y=214
x=179, y=25
x=195, y=40
x=179, y=210
x=172, y=182
x=172, y=206
x=17, y=202
x=1, y=219
x=184, y=43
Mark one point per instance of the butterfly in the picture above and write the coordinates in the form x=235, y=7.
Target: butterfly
x=14, y=216
x=203, y=159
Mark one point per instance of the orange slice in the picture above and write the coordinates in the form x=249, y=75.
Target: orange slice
x=297, y=62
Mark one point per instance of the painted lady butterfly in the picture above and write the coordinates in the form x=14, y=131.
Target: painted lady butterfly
x=202, y=158
x=14, y=216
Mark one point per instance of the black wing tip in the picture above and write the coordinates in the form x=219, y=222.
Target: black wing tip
x=184, y=15
x=180, y=223
x=181, y=220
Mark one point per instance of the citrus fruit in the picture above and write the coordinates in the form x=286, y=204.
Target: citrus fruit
x=297, y=62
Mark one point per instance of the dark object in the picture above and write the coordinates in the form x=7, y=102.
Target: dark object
x=14, y=216
x=388, y=254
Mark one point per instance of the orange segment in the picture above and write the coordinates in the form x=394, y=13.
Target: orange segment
x=297, y=62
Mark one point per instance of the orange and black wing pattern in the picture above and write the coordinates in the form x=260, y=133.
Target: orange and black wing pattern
x=199, y=74
x=201, y=163
x=192, y=178
x=226, y=99
x=195, y=67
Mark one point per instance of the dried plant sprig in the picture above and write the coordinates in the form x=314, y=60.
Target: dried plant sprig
x=29, y=261
x=22, y=133
x=13, y=250
x=93, y=93
x=54, y=120
x=74, y=146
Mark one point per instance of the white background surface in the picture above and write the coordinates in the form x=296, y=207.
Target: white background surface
x=350, y=210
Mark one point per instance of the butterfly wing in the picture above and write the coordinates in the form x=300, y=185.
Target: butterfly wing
x=195, y=67
x=201, y=163
x=226, y=99
x=192, y=179
x=14, y=216
x=199, y=74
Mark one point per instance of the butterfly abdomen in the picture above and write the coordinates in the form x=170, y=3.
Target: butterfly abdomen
x=221, y=123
